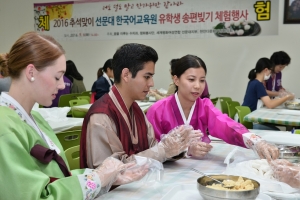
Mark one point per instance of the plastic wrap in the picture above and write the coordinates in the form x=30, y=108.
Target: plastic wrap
x=286, y=172
x=242, y=163
x=115, y=172
x=178, y=140
x=266, y=150
x=199, y=149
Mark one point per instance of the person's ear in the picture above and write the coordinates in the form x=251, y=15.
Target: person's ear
x=126, y=75
x=30, y=72
x=176, y=80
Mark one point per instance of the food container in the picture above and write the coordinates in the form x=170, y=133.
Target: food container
x=293, y=105
x=214, y=194
x=290, y=153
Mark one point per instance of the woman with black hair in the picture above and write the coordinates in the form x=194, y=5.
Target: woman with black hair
x=256, y=94
x=103, y=84
x=75, y=77
x=186, y=108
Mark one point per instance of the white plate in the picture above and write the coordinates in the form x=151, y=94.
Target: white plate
x=189, y=191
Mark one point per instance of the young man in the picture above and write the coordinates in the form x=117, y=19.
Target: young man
x=116, y=126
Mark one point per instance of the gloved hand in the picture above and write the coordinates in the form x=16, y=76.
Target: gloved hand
x=178, y=139
x=132, y=173
x=266, y=150
x=199, y=149
x=284, y=93
x=286, y=172
x=109, y=170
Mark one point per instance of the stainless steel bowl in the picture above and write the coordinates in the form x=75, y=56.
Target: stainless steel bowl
x=213, y=194
x=292, y=105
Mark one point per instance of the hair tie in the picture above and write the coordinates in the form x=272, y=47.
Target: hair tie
x=254, y=70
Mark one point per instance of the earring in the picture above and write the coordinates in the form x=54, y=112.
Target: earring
x=32, y=79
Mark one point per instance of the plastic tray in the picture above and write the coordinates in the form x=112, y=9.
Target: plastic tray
x=189, y=191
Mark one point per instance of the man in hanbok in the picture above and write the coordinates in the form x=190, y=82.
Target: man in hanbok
x=116, y=126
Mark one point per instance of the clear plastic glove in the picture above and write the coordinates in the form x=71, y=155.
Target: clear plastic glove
x=109, y=171
x=132, y=173
x=178, y=139
x=284, y=93
x=199, y=149
x=286, y=172
x=266, y=150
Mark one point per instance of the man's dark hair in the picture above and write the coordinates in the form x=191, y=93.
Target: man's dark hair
x=132, y=56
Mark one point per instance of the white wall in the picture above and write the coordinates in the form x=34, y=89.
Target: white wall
x=228, y=59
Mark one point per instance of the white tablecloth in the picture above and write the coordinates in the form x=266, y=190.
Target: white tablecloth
x=179, y=173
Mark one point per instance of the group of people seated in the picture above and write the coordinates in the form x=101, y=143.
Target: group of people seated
x=115, y=129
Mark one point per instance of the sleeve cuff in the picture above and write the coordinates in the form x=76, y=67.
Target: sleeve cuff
x=250, y=139
x=90, y=184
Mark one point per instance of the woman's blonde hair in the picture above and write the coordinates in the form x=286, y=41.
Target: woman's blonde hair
x=31, y=48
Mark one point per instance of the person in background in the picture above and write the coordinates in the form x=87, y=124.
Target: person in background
x=256, y=95
x=66, y=90
x=172, y=87
x=4, y=81
x=104, y=82
x=33, y=162
x=185, y=107
x=116, y=126
x=274, y=83
x=75, y=77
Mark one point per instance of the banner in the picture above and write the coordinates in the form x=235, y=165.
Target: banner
x=159, y=19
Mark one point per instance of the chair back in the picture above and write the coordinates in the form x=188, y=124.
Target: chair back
x=69, y=138
x=242, y=112
x=72, y=155
x=75, y=112
x=86, y=93
x=84, y=97
x=231, y=108
x=214, y=100
x=223, y=104
x=65, y=98
x=78, y=102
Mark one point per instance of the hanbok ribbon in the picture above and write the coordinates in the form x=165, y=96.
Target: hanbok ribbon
x=45, y=155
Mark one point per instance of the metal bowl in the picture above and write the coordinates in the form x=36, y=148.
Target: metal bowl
x=213, y=194
x=293, y=105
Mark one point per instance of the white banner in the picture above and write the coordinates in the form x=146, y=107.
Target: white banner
x=156, y=19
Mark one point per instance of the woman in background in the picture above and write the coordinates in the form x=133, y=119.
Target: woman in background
x=33, y=162
x=256, y=94
x=104, y=82
x=185, y=107
x=75, y=77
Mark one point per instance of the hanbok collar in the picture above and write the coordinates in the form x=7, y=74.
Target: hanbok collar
x=188, y=120
x=108, y=79
x=8, y=101
x=128, y=115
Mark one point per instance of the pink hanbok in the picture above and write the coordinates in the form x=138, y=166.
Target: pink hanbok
x=167, y=113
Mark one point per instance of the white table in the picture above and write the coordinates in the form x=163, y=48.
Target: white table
x=56, y=117
x=179, y=173
x=65, y=124
x=276, y=116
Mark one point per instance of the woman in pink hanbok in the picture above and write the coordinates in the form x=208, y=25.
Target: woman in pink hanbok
x=185, y=107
